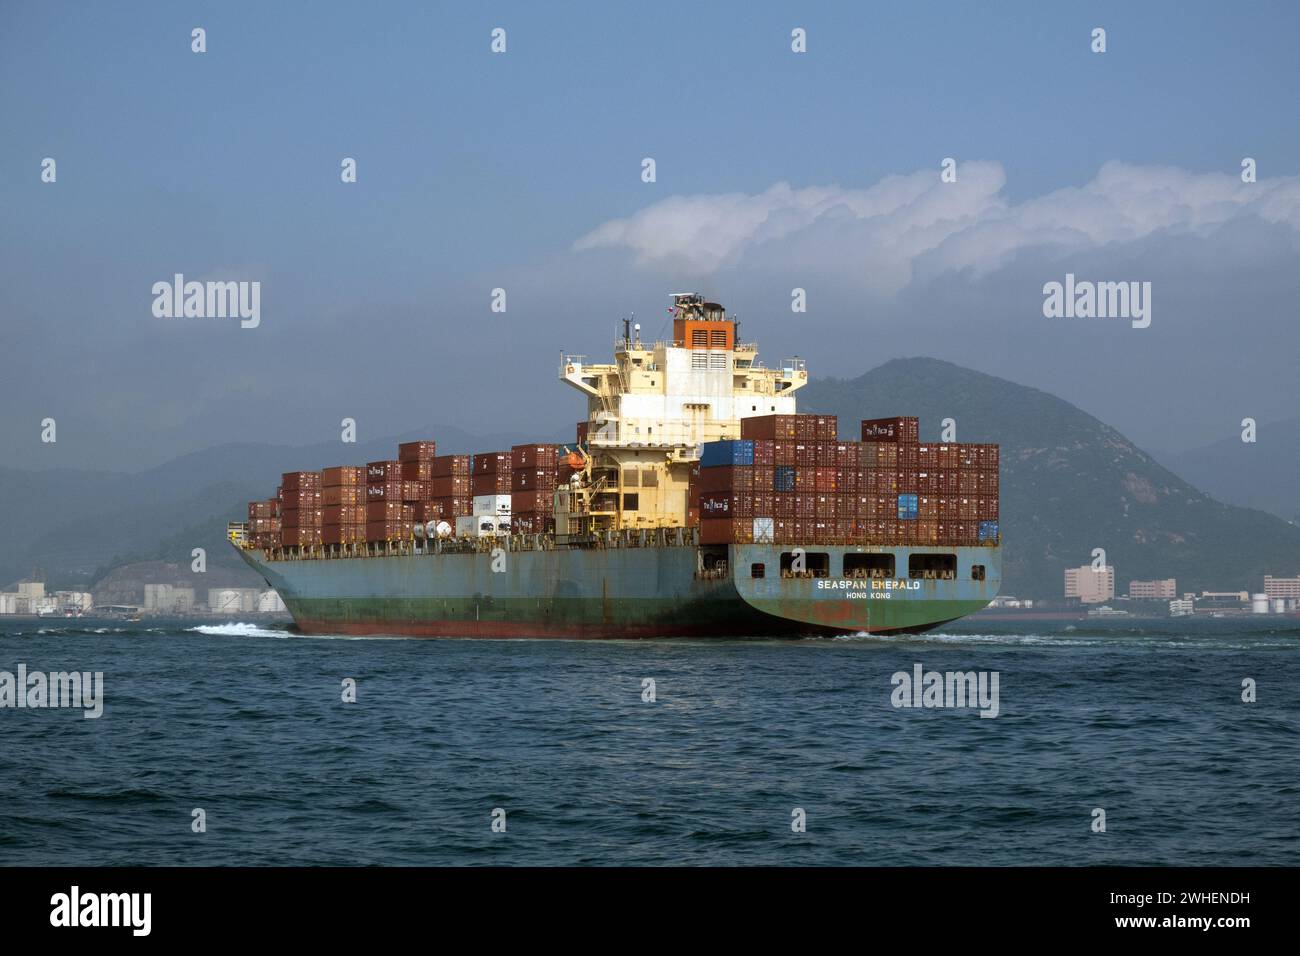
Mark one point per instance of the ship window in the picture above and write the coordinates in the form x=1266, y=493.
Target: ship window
x=757, y=570
x=932, y=566
x=977, y=572
x=814, y=564
x=649, y=478
x=868, y=565
x=631, y=478
x=630, y=502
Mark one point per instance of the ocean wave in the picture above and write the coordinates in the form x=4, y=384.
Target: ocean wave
x=237, y=629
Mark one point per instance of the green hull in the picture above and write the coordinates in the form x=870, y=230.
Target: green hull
x=617, y=593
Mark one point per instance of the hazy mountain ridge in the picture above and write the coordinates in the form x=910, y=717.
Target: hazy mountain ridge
x=1263, y=474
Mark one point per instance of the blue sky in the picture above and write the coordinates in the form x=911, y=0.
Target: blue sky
x=479, y=170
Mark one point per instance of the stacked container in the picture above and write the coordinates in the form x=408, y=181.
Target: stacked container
x=300, y=509
x=388, y=516
x=344, y=498
x=535, y=473
x=789, y=481
x=264, y=523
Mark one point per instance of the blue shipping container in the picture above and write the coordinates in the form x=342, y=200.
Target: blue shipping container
x=783, y=478
x=907, y=508
x=988, y=531
x=719, y=454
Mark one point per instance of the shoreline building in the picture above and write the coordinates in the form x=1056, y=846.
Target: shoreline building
x=1165, y=589
x=1089, y=585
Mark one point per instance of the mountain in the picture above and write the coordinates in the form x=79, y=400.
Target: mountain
x=1263, y=474
x=1071, y=483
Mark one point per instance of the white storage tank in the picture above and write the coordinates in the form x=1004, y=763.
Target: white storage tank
x=1259, y=604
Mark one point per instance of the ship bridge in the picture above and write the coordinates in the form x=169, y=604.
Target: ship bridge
x=678, y=393
x=649, y=411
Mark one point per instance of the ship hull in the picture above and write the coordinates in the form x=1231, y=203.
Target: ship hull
x=617, y=593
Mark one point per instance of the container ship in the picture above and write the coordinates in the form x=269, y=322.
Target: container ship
x=693, y=501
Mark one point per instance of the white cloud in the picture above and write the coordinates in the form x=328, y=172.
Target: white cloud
x=915, y=225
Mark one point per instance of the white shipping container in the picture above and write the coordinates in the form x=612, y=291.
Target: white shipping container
x=491, y=504
x=476, y=526
x=763, y=530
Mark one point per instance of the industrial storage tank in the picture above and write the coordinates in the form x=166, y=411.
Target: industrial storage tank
x=1259, y=604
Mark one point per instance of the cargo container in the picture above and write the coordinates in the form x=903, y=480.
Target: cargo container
x=300, y=480
x=343, y=476
x=445, y=465
x=724, y=453
x=491, y=504
x=417, y=450
x=379, y=472
x=899, y=430
x=491, y=461
x=343, y=495
x=535, y=456
x=418, y=470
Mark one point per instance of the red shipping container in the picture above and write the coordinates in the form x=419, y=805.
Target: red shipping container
x=390, y=510
x=764, y=453
x=417, y=450
x=533, y=479
x=343, y=534
x=301, y=518
x=389, y=530
x=419, y=470
x=451, y=486
x=491, y=461
x=897, y=429
x=378, y=472
x=417, y=490
x=300, y=537
x=387, y=491
x=535, y=456
x=536, y=502
x=783, y=452
x=343, y=475
x=769, y=427
x=343, y=495
x=988, y=482
x=491, y=483
x=828, y=427
x=345, y=514
x=300, y=480
x=453, y=507
x=263, y=525
x=987, y=507
x=262, y=509
x=445, y=465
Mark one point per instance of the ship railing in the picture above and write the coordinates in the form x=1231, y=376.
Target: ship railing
x=412, y=547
